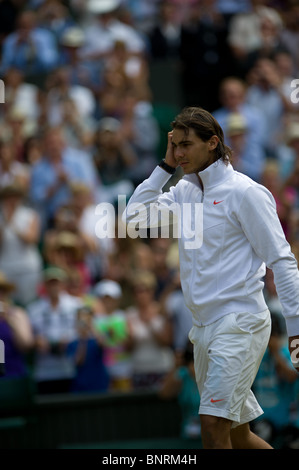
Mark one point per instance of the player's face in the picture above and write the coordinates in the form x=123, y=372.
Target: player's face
x=191, y=152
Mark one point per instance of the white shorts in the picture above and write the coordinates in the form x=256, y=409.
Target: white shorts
x=227, y=355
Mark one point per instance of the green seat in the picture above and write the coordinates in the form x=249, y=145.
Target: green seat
x=16, y=395
x=16, y=402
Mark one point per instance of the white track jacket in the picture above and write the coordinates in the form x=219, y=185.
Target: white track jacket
x=241, y=235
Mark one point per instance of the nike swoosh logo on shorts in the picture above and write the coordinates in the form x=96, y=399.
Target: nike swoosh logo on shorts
x=215, y=401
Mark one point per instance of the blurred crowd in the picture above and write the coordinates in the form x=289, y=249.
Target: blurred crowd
x=90, y=89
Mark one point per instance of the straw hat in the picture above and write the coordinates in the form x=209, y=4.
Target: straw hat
x=5, y=283
x=11, y=190
x=236, y=124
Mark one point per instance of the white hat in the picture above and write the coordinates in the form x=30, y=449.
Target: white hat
x=109, y=124
x=102, y=6
x=108, y=287
x=73, y=37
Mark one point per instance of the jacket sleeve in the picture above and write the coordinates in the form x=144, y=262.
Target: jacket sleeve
x=261, y=225
x=148, y=206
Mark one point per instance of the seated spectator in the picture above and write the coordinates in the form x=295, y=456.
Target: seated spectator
x=165, y=34
x=112, y=329
x=140, y=127
x=179, y=315
x=60, y=90
x=15, y=332
x=71, y=42
x=30, y=48
x=232, y=93
x=67, y=251
x=20, y=94
x=264, y=93
x=276, y=388
x=248, y=159
x=53, y=319
x=54, y=16
x=288, y=152
x=114, y=156
x=180, y=382
x=12, y=171
x=52, y=175
x=150, y=334
x=20, y=258
x=86, y=351
x=104, y=28
x=251, y=32
x=98, y=248
x=284, y=197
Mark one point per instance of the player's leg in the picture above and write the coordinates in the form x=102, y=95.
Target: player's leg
x=243, y=438
x=215, y=432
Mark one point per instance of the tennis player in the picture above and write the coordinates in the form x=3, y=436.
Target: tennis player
x=222, y=277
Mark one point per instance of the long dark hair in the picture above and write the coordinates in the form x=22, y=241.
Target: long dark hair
x=205, y=126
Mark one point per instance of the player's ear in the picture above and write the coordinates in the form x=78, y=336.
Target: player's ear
x=213, y=142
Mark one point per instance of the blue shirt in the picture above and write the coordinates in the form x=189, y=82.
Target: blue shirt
x=78, y=167
x=40, y=55
x=275, y=396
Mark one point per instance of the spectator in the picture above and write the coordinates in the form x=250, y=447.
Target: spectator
x=114, y=156
x=105, y=28
x=54, y=16
x=276, y=387
x=31, y=49
x=290, y=33
x=288, y=152
x=286, y=70
x=97, y=247
x=59, y=89
x=244, y=158
x=180, y=383
x=55, y=171
x=150, y=334
x=20, y=258
x=284, y=197
x=71, y=42
x=67, y=251
x=53, y=319
x=160, y=248
x=232, y=94
x=86, y=351
x=15, y=332
x=165, y=34
x=247, y=36
x=12, y=171
x=140, y=127
x=112, y=329
x=179, y=316
x=204, y=55
x=21, y=95
x=265, y=94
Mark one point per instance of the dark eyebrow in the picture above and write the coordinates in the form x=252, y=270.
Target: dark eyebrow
x=184, y=141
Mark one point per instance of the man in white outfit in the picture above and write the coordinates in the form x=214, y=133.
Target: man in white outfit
x=222, y=274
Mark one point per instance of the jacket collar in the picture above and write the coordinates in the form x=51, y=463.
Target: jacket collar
x=213, y=175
